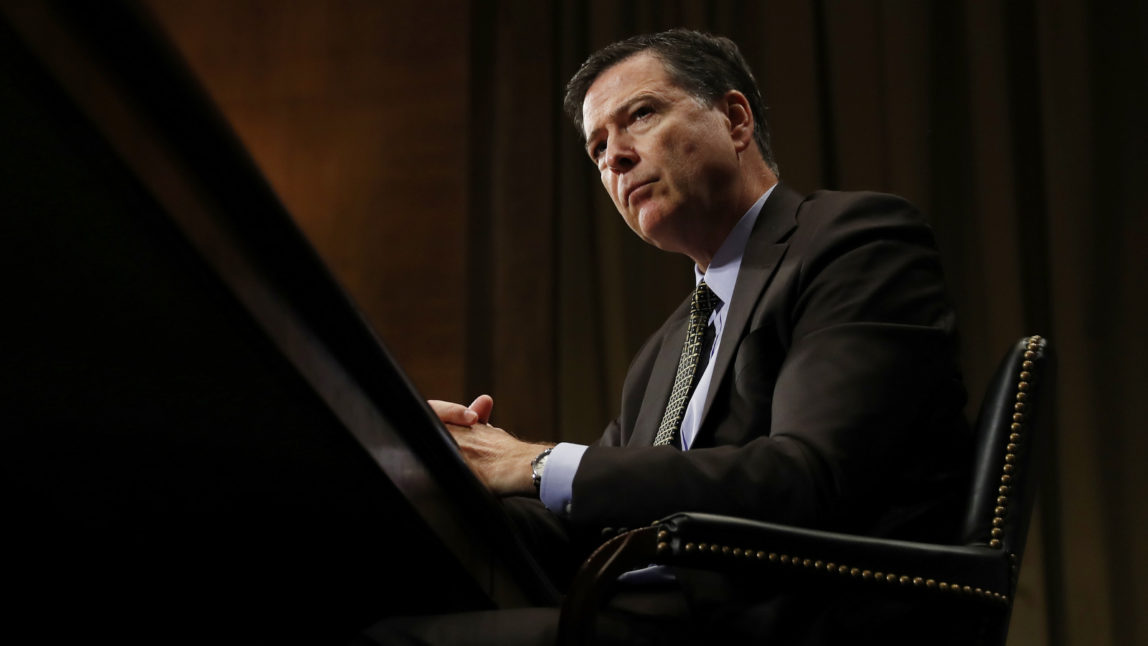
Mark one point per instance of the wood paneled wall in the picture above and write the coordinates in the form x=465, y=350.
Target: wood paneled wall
x=358, y=113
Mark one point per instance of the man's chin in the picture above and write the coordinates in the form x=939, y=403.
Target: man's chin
x=653, y=228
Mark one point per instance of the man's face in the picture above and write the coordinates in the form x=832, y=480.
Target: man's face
x=666, y=159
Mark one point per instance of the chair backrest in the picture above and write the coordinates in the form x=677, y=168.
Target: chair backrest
x=1009, y=438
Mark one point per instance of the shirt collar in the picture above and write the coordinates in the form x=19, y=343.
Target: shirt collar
x=721, y=275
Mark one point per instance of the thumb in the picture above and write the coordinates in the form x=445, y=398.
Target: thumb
x=483, y=405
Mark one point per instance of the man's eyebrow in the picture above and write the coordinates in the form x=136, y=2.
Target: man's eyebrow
x=621, y=109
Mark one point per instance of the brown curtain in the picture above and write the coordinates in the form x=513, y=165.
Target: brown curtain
x=420, y=144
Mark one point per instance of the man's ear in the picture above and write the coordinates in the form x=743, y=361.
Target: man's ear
x=740, y=117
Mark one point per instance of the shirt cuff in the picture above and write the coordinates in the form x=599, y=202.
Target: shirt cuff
x=558, y=477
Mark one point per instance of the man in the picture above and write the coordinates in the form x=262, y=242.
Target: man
x=823, y=391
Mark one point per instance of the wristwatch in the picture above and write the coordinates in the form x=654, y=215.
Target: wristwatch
x=536, y=467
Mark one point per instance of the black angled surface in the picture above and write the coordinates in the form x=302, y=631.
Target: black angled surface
x=166, y=472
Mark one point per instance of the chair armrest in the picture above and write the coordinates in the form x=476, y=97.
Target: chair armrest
x=726, y=544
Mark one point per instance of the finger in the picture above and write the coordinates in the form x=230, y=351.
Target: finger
x=483, y=406
x=451, y=413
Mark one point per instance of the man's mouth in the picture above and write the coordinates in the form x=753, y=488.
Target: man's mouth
x=629, y=195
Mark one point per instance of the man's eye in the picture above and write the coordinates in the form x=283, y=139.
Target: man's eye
x=597, y=149
x=642, y=112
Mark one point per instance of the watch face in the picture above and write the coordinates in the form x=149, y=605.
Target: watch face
x=536, y=467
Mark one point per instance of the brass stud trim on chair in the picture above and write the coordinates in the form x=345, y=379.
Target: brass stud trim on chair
x=840, y=569
x=1024, y=383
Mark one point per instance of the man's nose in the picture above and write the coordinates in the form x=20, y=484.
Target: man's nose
x=620, y=154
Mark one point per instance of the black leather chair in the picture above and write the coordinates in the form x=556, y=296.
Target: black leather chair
x=977, y=578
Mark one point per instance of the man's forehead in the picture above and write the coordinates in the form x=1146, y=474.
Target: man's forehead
x=621, y=81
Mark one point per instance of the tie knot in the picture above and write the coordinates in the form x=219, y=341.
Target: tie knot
x=704, y=300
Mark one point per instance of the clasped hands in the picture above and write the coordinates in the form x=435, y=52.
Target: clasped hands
x=499, y=459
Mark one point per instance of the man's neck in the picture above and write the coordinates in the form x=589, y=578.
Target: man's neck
x=718, y=231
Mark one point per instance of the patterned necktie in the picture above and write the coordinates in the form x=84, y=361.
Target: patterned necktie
x=704, y=303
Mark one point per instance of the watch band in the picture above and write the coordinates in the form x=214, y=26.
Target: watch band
x=537, y=465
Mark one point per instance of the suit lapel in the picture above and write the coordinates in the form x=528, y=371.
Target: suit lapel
x=763, y=252
x=661, y=377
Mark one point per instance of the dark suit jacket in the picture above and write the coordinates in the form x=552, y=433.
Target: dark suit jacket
x=836, y=403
